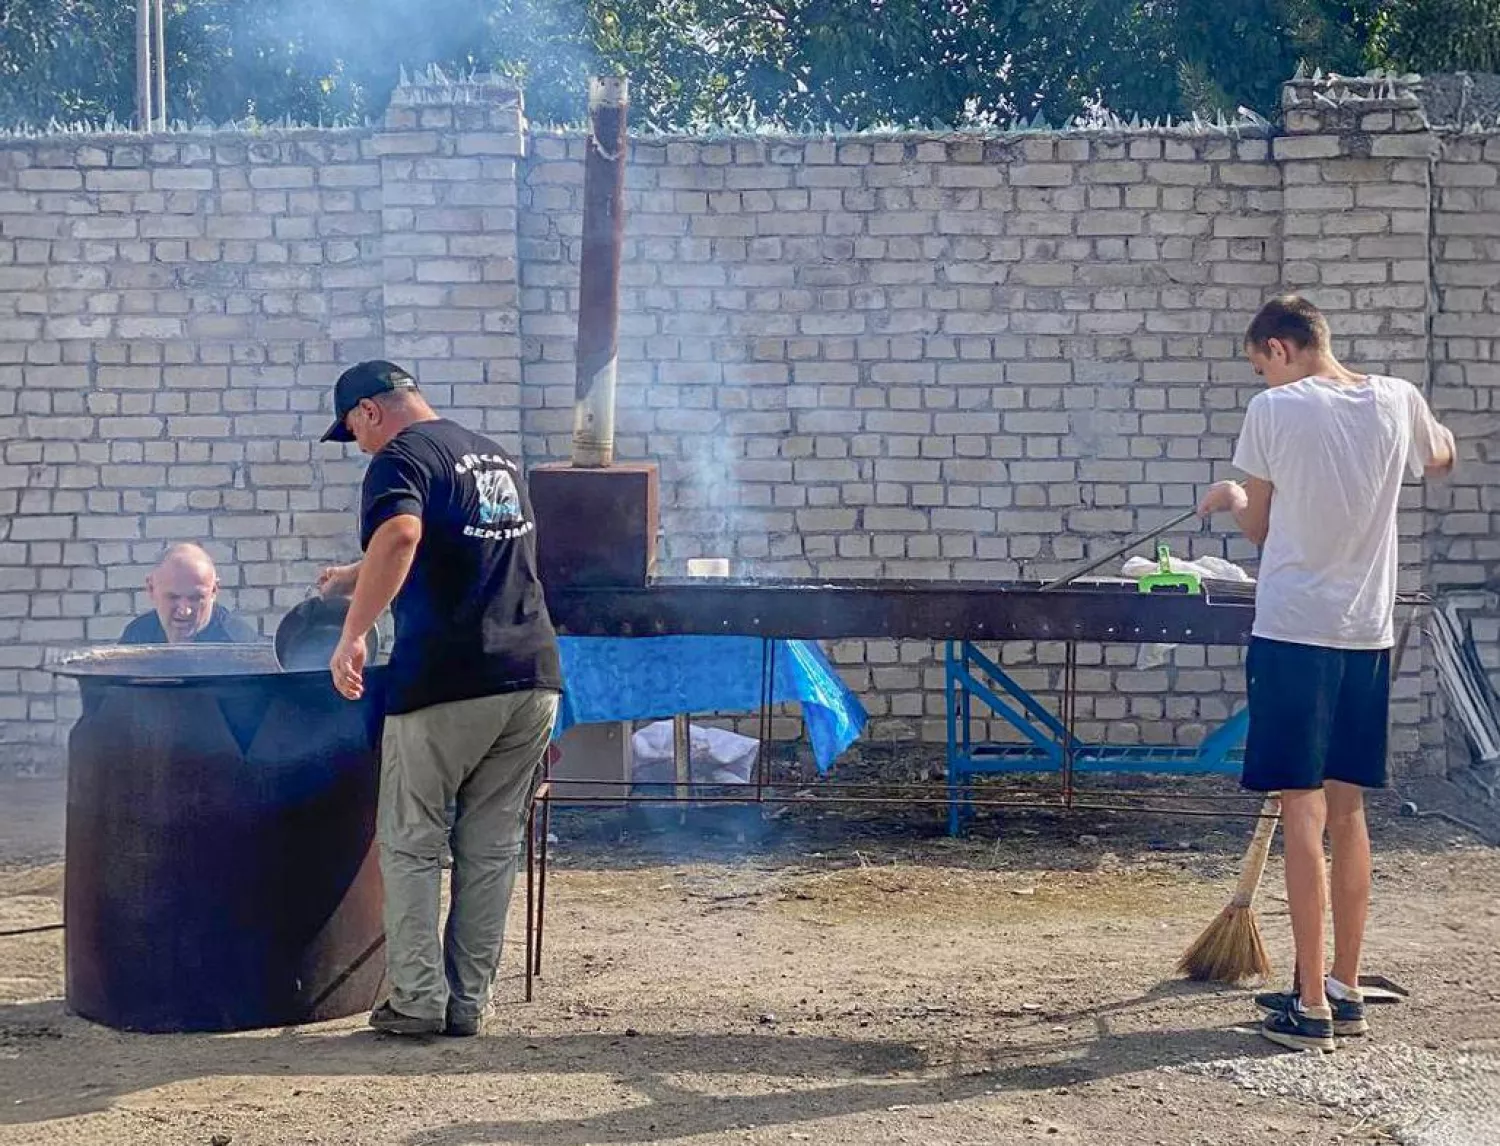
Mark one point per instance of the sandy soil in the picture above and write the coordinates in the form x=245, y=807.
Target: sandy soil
x=816, y=978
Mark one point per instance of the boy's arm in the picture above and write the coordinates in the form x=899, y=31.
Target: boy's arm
x=1249, y=501
x=1434, y=451
x=1444, y=452
x=1254, y=519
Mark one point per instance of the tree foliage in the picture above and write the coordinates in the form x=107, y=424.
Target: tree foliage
x=1443, y=35
x=695, y=63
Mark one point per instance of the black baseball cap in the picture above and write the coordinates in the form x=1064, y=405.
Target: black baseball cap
x=365, y=380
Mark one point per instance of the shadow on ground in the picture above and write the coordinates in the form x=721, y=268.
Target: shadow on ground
x=75, y=1068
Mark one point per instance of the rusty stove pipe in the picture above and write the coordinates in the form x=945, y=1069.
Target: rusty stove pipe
x=599, y=273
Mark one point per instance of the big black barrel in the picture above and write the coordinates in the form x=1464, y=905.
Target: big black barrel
x=220, y=869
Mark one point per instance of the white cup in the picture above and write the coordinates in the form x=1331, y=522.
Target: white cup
x=708, y=567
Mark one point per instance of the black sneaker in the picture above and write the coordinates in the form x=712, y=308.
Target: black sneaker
x=1348, y=1014
x=386, y=1019
x=1297, y=1029
x=461, y=1026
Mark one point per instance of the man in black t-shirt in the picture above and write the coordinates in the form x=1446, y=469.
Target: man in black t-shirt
x=184, y=590
x=472, y=687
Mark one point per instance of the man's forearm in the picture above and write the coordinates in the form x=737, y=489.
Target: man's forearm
x=383, y=571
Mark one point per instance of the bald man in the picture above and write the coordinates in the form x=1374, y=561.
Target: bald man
x=184, y=590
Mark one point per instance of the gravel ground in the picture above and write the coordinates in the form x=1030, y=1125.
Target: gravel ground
x=824, y=977
x=1422, y=1097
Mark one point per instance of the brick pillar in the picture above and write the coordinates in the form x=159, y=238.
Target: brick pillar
x=448, y=158
x=1356, y=158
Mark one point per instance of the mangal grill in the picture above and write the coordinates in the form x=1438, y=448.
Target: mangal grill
x=598, y=572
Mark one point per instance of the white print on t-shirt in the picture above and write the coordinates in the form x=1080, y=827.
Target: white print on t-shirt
x=1335, y=455
x=499, y=500
x=474, y=461
x=510, y=534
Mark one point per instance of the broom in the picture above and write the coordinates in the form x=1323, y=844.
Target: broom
x=1230, y=950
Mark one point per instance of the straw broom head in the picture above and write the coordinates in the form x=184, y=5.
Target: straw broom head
x=1230, y=950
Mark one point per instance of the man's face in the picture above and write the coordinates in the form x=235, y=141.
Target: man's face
x=184, y=595
x=1276, y=362
x=364, y=423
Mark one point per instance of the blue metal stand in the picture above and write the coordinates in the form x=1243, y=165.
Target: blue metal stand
x=1049, y=743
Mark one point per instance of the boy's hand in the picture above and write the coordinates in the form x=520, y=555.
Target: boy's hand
x=1223, y=497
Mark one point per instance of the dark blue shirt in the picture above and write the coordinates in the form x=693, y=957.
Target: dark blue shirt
x=223, y=628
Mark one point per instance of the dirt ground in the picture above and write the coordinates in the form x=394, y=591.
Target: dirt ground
x=814, y=977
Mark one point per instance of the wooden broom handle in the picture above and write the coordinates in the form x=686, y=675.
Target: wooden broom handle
x=1258, y=852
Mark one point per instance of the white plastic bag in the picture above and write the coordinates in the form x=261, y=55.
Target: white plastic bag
x=1208, y=568
x=715, y=756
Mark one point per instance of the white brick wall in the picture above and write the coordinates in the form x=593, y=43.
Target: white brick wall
x=918, y=357
x=904, y=356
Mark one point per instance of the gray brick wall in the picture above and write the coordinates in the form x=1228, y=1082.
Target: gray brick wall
x=170, y=311
x=905, y=356
x=1463, y=525
x=918, y=357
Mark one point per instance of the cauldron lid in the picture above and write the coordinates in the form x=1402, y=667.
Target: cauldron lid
x=163, y=662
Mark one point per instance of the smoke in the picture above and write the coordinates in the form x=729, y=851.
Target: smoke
x=705, y=514
x=304, y=61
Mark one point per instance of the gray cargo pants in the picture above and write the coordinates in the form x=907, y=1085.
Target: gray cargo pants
x=484, y=758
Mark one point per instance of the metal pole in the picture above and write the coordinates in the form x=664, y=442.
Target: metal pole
x=599, y=274
x=161, y=65
x=682, y=755
x=143, y=64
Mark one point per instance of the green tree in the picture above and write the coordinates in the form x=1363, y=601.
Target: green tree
x=698, y=63
x=1441, y=35
x=65, y=59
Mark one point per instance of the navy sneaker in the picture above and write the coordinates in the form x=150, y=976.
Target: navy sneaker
x=1348, y=1014
x=1300, y=1029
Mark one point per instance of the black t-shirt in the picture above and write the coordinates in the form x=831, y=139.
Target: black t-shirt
x=223, y=628
x=471, y=619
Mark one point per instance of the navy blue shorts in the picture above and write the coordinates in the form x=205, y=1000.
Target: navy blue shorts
x=1316, y=714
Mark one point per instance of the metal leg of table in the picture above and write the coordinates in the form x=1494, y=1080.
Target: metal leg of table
x=957, y=741
x=1070, y=718
x=530, y=896
x=541, y=894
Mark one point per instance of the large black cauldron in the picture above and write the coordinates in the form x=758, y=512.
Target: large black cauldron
x=220, y=869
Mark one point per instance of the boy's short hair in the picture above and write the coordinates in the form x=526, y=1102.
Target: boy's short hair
x=1292, y=319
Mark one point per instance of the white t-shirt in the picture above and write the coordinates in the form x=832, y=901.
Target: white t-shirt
x=1335, y=455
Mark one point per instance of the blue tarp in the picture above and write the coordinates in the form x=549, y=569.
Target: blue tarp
x=652, y=678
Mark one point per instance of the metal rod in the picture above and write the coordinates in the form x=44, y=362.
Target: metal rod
x=1070, y=722
x=32, y=930
x=530, y=896
x=1125, y=547
x=143, y=65
x=1053, y=805
x=682, y=755
x=599, y=274
x=161, y=65
x=839, y=791
x=541, y=892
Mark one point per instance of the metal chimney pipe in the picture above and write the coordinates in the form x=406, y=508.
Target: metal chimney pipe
x=143, y=64
x=161, y=63
x=599, y=273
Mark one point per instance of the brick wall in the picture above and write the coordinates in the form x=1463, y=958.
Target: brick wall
x=1463, y=527
x=924, y=357
x=905, y=356
x=170, y=309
